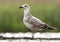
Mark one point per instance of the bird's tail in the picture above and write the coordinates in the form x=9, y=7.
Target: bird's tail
x=51, y=28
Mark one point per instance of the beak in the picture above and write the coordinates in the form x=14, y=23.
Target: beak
x=20, y=7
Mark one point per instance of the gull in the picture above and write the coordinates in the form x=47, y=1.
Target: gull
x=32, y=22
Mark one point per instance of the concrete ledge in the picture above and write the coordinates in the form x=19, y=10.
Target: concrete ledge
x=28, y=35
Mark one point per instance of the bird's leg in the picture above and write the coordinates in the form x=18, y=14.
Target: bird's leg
x=33, y=34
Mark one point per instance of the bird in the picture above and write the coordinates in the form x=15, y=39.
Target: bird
x=32, y=22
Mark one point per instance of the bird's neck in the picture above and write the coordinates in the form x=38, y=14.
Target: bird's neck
x=27, y=12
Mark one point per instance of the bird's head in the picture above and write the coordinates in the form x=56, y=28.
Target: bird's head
x=25, y=6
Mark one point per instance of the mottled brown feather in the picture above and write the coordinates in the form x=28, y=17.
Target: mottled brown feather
x=36, y=24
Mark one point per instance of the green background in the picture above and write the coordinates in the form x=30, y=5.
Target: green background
x=11, y=17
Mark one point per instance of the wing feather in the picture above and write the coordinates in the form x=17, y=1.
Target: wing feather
x=36, y=22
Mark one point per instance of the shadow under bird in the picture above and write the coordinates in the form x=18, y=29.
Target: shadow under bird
x=32, y=22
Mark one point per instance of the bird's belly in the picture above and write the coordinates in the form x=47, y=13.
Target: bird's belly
x=28, y=25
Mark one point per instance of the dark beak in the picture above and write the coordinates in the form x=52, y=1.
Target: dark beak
x=20, y=7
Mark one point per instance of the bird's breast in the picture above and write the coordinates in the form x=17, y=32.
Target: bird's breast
x=28, y=25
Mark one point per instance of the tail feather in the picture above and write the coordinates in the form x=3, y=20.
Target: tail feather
x=51, y=28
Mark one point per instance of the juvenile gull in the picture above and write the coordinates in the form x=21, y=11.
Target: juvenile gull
x=32, y=22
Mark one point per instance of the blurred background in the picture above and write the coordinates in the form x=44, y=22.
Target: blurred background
x=11, y=17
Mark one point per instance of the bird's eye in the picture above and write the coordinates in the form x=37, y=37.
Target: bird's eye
x=25, y=6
